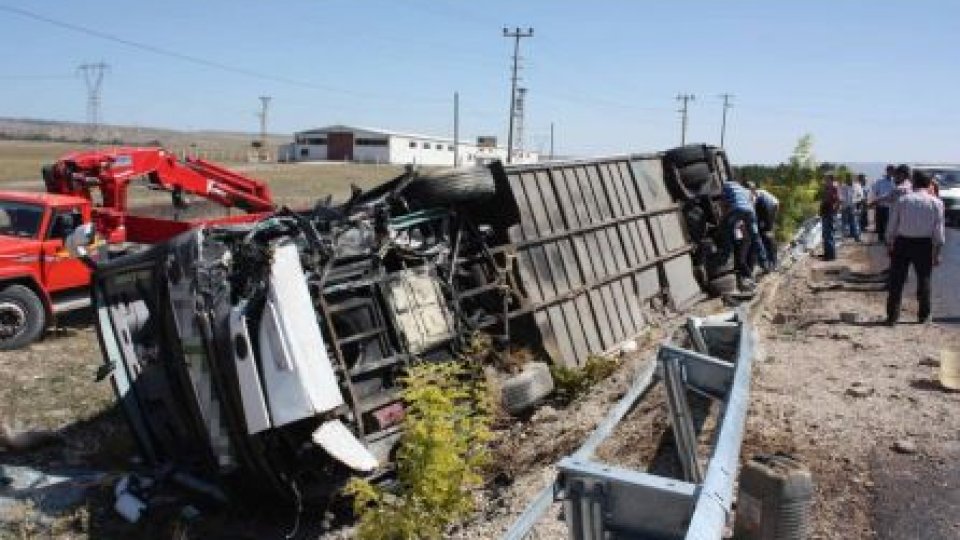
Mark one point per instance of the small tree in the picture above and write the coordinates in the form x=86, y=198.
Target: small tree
x=440, y=459
x=797, y=189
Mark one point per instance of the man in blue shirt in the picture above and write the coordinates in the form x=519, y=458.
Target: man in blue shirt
x=738, y=212
x=880, y=197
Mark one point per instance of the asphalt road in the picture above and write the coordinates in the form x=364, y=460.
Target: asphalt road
x=946, y=280
x=918, y=498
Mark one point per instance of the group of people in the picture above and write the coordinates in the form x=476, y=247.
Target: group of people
x=750, y=215
x=908, y=219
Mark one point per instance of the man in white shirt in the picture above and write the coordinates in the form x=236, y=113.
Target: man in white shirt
x=851, y=195
x=915, y=237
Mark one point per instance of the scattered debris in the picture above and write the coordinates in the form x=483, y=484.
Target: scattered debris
x=930, y=361
x=531, y=386
x=23, y=440
x=850, y=317
x=905, y=446
x=545, y=415
x=858, y=390
x=51, y=493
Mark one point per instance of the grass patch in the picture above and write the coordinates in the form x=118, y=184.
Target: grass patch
x=441, y=457
x=573, y=382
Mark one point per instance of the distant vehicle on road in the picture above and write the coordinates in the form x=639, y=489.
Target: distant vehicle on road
x=948, y=176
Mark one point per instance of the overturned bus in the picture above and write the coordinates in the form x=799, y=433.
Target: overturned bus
x=266, y=356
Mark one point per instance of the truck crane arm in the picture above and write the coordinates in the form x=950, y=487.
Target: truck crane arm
x=112, y=170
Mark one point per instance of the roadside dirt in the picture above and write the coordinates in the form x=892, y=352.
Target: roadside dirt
x=859, y=403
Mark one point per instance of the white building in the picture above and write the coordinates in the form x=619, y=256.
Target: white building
x=368, y=145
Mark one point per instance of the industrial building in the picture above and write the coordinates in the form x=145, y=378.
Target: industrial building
x=370, y=145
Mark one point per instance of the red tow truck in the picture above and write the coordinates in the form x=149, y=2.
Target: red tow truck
x=39, y=278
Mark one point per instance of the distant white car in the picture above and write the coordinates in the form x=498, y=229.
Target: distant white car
x=949, y=180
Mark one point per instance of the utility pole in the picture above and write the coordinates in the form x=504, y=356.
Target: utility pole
x=723, y=124
x=516, y=34
x=518, y=122
x=685, y=100
x=92, y=75
x=456, y=129
x=263, y=155
x=551, y=141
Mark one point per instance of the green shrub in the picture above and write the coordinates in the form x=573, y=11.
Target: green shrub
x=571, y=383
x=439, y=461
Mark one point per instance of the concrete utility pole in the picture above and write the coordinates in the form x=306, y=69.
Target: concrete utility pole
x=685, y=100
x=92, y=75
x=723, y=123
x=551, y=141
x=456, y=129
x=264, y=105
x=520, y=110
x=516, y=34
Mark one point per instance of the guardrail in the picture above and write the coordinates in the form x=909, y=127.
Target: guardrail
x=601, y=499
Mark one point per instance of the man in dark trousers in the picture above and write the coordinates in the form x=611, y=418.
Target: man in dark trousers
x=739, y=218
x=864, y=215
x=766, y=206
x=880, y=194
x=829, y=205
x=915, y=236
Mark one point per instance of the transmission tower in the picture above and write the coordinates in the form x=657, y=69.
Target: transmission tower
x=684, y=100
x=92, y=75
x=516, y=34
x=263, y=155
x=723, y=123
x=518, y=118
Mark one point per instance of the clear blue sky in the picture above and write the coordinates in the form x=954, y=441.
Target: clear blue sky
x=872, y=81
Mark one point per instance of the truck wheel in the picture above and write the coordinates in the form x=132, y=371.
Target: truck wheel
x=452, y=186
x=22, y=317
x=685, y=155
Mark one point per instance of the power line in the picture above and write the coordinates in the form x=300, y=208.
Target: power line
x=202, y=61
x=34, y=77
x=685, y=100
x=517, y=34
x=92, y=75
x=723, y=123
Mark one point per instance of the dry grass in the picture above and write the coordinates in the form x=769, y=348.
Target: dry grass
x=301, y=184
x=293, y=184
x=20, y=161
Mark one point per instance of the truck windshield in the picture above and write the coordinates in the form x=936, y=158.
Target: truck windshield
x=20, y=219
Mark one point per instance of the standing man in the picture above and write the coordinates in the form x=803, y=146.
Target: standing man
x=766, y=207
x=851, y=196
x=738, y=212
x=864, y=215
x=880, y=198
x=829, y=204
x=915, y=237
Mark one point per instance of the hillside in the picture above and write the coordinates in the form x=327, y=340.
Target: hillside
x=218, y=145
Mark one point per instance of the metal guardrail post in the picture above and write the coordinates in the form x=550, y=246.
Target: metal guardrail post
x=600, y=498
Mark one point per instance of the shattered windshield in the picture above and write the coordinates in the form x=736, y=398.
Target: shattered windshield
x=20, y=219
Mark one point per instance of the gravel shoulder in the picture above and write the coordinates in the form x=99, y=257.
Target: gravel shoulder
x=859, y=403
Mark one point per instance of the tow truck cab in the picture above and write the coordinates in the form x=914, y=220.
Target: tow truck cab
x=38, y=276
